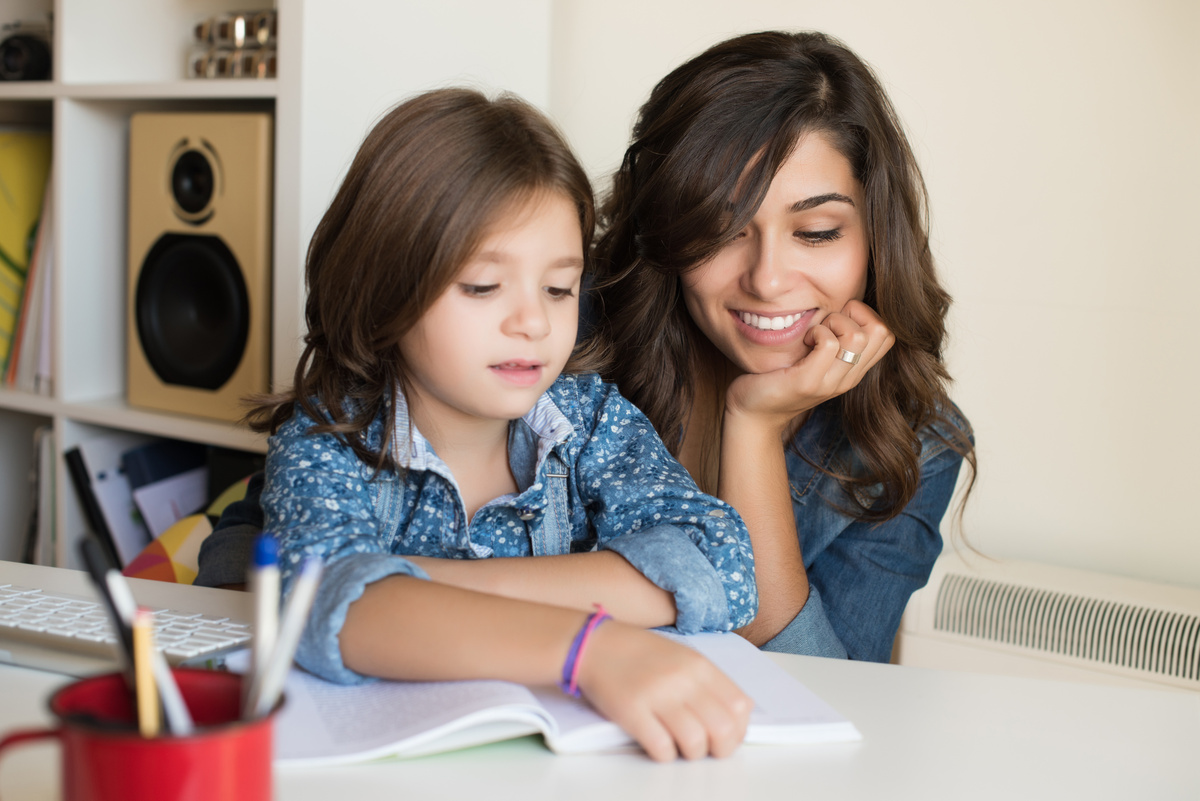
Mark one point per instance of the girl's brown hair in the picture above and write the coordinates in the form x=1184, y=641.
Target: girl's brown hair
x=705, y=149
x=429, y=179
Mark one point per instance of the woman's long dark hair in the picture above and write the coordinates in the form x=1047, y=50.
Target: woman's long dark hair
x=710, y=139
x=430, y=178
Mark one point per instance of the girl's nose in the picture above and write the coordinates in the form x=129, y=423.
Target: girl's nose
x=527, y=318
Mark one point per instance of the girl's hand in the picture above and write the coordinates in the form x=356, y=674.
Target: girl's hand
x=778, y=397
x=667, y=697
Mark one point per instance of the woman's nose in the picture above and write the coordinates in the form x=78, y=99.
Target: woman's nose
x=766, y=275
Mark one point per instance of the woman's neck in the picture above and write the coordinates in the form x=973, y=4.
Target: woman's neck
x=700, y=450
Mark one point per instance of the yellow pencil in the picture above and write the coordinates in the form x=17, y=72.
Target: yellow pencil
x=149, y=715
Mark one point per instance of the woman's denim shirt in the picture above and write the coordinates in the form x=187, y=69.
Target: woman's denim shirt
x=861, y=574
x=591, y=473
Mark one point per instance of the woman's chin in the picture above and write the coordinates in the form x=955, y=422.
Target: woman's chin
x=759, y=363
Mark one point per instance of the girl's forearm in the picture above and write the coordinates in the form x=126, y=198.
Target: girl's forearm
x=410, y=629
x=753, y=479
x=407, y=628
x=574, y=581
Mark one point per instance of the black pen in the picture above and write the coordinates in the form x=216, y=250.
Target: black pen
x=122, y=608
x=98, y=567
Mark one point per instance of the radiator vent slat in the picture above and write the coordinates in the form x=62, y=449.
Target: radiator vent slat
x=1138, y=638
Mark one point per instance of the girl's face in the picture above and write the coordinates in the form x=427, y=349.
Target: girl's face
x=502, y=332
x=801, y=258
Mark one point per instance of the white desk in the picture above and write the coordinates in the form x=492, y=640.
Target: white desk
x=927, y=735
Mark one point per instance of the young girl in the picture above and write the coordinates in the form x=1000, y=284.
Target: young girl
x=430, y=435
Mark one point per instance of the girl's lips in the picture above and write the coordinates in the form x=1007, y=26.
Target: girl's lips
x=799, y=322
x=519, y=372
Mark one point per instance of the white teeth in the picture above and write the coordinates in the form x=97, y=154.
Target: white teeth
x=768, y=323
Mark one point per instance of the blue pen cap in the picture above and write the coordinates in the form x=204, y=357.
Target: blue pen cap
x=266, y=551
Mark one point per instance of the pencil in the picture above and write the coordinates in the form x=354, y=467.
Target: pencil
x=143, y=667
x=266, y=687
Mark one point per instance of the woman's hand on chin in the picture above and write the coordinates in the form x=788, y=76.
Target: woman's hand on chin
x=830, y=368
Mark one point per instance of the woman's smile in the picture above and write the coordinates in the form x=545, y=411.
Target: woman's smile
x=802, y=257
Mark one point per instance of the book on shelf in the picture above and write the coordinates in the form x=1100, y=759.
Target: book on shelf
x=326, y=724
x=40, y=547
x=24, y=170
x=29, y=367
x=104, y=492
x=169, y=479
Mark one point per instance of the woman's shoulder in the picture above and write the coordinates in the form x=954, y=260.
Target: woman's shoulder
x=947, y=428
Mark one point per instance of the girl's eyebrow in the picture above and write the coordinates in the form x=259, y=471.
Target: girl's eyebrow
x=500, y=257
x=817, y=200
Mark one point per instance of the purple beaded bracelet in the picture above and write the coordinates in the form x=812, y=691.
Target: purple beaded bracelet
x=570, y=669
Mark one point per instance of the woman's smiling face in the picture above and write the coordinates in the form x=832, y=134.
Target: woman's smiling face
x=802, y=257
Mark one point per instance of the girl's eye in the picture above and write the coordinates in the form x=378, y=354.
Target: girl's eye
x=478, y=290
x=560, y=292
x=818, y=237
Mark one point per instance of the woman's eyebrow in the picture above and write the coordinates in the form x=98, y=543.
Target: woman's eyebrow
x=817, y=200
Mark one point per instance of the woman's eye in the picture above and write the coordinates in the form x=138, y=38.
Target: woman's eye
x=478, y=290
x=817, y=237
x=560, y=292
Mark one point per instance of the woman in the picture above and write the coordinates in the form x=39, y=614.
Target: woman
x=768, y=289
x=768, y=298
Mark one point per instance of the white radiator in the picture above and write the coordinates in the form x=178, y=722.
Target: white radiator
x=1022, y=618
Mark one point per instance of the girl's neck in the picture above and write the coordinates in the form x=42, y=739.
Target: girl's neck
x=475, y=450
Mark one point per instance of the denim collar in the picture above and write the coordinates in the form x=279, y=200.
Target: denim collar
x=545, y=422
x=819, y=440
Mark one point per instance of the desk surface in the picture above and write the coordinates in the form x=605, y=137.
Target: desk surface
x=927, y=735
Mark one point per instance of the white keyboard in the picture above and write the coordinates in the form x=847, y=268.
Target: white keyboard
x=78, y=625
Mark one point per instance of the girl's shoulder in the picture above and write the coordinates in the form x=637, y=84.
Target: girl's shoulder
x=586, y=396
x=579, y=395
x=299, y=430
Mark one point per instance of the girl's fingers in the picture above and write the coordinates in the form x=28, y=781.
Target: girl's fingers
x=687, y=730
x=725, y=714
x=653, y=737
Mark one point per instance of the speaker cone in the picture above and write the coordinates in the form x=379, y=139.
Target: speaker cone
x=192, y=310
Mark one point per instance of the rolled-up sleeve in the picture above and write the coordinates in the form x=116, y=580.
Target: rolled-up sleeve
x=644, y=505
x=809, y=633
x=316, y=502
x=343, y=583
x=667, y=557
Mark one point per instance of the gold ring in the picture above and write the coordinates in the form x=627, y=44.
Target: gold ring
x=847, y=356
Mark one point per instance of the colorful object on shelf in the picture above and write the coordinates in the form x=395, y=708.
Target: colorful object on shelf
x=235, y=44
x=174, y=555
x=24, y=168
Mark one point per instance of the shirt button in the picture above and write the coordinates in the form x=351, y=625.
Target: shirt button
x=525, y=513
x=717, y=513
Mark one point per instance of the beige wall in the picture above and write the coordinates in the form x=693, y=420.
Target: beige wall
x=1061, y=144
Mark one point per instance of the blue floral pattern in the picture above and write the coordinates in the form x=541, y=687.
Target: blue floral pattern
x=620, y=489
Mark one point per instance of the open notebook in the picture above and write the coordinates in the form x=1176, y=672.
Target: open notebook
x=326, y=724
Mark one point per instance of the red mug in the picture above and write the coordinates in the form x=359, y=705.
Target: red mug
x=104, y=757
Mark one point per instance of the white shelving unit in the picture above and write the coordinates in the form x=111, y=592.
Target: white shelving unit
x=340, y=65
